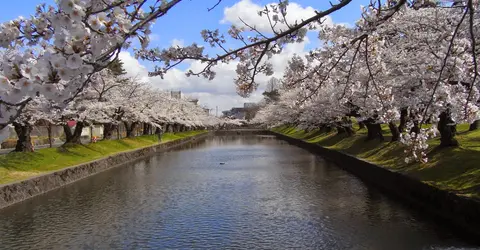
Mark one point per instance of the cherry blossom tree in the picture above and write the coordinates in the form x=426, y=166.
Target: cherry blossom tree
x=56, y=52
x=257, y=47
x=412, y=62
x=420, y=60
x=93, y=105
x=36, y=111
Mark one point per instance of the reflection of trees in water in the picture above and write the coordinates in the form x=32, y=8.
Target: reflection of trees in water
x=140, y=200
x=346, y=194
x=241, y=140
x=17, y=223
x=100, y=198
x=351, y=196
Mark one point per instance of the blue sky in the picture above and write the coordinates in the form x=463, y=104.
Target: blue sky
x=184, y=23
x=187, y=19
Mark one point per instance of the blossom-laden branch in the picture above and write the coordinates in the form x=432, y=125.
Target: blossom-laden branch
x=251, y=55
x=54, y=53
x=420, y=60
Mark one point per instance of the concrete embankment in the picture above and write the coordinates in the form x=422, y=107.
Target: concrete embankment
x=461, y=213
x=22, y=190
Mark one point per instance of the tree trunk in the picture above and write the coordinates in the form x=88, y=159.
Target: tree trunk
x=91, y=133
x=374, y=130
x=118, y=133
x=361, y=125
x=108, y=131
x=158, y=132
x=395, y=131
x=403, y=120
x=447, y=129
x=345, y=130
x=348, y=126
x=24, y=142
x=77, y=133
x=130, y=129
x=475, y=125
x=416, y=128
x=49, y=131
x=76, y=136
x=68, y=133
x=325, y=128
x=146, y=129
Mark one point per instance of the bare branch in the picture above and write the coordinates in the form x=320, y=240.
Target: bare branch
x=213, y=7
x=444, y=64
x=474, y=55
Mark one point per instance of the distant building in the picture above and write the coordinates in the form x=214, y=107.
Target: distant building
x=251, y=110
x=194, y=101
x=249, y=105
x=236, y=113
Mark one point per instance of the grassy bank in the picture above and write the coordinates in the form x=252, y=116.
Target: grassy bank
x=453, y=169
x=20, y=166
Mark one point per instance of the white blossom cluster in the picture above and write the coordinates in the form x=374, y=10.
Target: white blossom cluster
x=54, y=53
x=117, y=100
x=424, y=60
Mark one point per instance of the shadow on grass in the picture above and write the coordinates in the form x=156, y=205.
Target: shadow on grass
x=9, y=160
x=313, y=134
x=68, y=150
x=331, y=141
x=125, y=144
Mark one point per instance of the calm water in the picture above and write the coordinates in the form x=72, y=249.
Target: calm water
x=266, y=195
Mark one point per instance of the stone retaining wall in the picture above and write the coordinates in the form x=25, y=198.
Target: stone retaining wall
x=461, y=213
x=19, y=191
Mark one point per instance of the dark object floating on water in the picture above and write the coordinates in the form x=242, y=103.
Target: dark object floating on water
x=222, y=163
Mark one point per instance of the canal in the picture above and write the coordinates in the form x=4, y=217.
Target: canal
x=223, y=193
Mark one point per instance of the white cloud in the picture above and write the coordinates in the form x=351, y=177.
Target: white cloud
x=223, y=102
x=154, y=37
x=248, y=12
x=178, y=42
x=133, y=66
x=219, y=92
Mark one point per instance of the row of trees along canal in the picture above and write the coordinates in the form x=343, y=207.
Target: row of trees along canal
x=110, y=100
x=412, y=62
x=416, y=72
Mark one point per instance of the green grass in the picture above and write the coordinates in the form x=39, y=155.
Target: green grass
x=453, y=169
x=20, y=166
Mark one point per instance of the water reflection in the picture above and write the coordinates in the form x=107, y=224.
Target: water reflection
x=226, y=192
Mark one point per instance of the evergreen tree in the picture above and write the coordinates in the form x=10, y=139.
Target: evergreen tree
x=117, y=67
